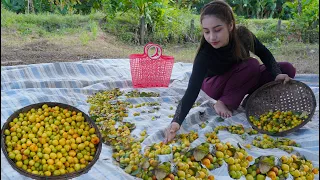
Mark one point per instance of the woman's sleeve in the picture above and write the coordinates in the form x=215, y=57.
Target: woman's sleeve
x=266, y=57
x=198, y=74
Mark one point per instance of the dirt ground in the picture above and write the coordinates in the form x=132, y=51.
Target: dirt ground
x=19, y=50
x=16, y=50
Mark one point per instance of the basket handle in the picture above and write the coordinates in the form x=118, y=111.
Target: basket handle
x=158, y=52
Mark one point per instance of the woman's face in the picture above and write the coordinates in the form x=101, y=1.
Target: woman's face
x=215, y=31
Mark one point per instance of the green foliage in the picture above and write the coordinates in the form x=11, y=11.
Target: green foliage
x=111, y=7
x=43, y=23
x=57, y=6
x=7, y=18
x=94, y=29
x=189, y=4
x=172, y=26
x=42, y=6
x=256, y=8
x=25, y=28
x=151, y=9
x=266, y=30
x=262, y=9
x=84, y=38
x=17, y=6
x=124, y=26
x=284, y=12
x=306, y=23
x=175, y=26
x=87, y=6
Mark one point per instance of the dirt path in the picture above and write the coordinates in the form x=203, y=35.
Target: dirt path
x=17, y=50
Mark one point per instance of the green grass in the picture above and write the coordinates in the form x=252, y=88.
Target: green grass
x=47, y=24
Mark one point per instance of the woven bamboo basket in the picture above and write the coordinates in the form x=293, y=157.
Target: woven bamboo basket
x=293, y=96
x=64, y=176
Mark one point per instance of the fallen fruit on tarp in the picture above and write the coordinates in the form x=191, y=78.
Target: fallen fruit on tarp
x=266, y=142
x=187, y=156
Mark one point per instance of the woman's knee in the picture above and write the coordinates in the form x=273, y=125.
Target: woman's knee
x=287, y=68
x=208, y=87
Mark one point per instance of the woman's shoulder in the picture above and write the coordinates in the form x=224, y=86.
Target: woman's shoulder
x=203, y=55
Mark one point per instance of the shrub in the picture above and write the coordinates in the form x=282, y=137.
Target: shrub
x=48, y=22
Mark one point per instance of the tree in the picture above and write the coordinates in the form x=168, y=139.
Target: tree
x=145, y=9
x=306, y=19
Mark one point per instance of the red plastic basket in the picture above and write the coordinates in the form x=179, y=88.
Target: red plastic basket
x=151, y=71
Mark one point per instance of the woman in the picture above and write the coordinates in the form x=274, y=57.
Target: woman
x=223, y=68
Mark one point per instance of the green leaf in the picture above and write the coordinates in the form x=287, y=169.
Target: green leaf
x=244, y=136
x=126, y=156
x=201, y=151
x=296, y=113
x=272, y=132
x=112, y=136
x=163, y=170
x=136, y=172
x=264, y=168
x=298, y=162
x=143, y=94
x=219, y=119
x=123, y=165
x=145, y=164
x=239, y=145
x=266, y=163
x=160, y=174
x=199, y=154
x=94, y=117
x=233, y=150
x=304, y=113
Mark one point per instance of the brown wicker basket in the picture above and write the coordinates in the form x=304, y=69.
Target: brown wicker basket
x=65, y=176
x=292, y=96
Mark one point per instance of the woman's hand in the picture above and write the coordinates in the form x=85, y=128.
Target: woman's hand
x=283, y=77
x=170, y=132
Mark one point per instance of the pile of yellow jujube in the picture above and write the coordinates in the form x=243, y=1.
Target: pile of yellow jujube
x=278, y=121
x=50, y=141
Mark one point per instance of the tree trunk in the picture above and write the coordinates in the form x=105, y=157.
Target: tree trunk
x=273, y=10
x=142, y=24
x=192, y=30
x=299, y=7
x=279, y=25
x=279, y=28
x=28, y=6
x=258, y=11
x=313, y=37
x=31, y=6
x=241, y=9
x=136, y=37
